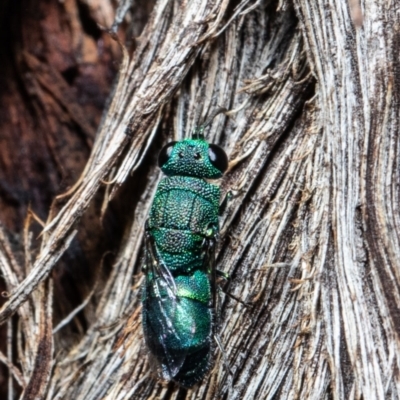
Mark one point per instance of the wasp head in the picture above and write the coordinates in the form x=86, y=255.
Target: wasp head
x=193, y=157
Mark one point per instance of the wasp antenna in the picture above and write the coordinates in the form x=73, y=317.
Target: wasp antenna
x=199, y=131
x=220, y=110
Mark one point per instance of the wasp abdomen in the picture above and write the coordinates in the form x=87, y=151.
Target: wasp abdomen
x=188, y=338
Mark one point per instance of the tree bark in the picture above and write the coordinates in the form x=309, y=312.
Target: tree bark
x=311, y=237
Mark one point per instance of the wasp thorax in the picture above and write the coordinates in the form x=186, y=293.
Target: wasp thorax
x=193, y=157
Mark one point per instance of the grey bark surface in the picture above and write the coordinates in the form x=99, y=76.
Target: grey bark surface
x=311, y=236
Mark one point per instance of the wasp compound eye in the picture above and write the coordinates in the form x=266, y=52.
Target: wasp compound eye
x=165, y=153
x=218, y=157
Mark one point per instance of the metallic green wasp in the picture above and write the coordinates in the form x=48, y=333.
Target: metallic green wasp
x=179, y=293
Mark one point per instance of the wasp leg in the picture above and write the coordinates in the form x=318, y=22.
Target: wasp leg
x=228, y=278
x=225, y=363
x=222, y=207
x=223, y=274
x=223, y=352
x=243, y=303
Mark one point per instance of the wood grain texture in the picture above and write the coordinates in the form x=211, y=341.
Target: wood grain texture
x=310, y=237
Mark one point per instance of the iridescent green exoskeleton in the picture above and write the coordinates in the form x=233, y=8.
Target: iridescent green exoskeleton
x=181, y=232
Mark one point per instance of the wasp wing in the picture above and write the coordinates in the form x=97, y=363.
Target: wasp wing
x=162, y=311
x=171, y=326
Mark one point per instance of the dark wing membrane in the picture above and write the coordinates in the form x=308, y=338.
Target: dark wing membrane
x=169, y=327
x=162, y=310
